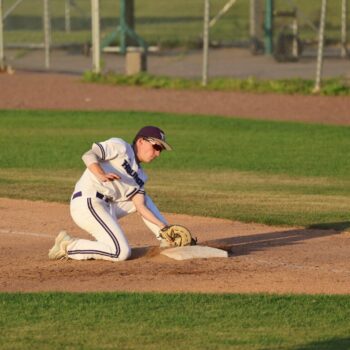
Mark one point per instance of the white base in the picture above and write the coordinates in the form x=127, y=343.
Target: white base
x=194, y=252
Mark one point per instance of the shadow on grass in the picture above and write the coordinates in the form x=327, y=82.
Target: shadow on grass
x=330, y=344
x=244, y=245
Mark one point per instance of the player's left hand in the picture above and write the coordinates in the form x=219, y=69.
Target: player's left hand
x=177, y=236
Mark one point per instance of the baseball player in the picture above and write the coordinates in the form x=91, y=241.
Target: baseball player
x=111, y=187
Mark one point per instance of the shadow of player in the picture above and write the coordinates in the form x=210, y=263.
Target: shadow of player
x=244, y=245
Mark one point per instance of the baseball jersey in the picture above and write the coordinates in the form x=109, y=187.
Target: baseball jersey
x=115, y=156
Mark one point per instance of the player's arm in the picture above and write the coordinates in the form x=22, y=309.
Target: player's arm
x=140, y=204
x=92, y=160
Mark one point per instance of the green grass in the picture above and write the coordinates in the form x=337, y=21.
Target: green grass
x=254, y=171
x=251, y=197
x=56, y=140
x=330, y=87
x=174, y=321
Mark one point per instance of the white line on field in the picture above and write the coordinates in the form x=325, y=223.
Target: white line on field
x=2, y=231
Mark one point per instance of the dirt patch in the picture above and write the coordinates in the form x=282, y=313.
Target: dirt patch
x=262, y=258
x=64, y=92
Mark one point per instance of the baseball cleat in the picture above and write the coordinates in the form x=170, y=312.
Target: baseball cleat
x=59, y=250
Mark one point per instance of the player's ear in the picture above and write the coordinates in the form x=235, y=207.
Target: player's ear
x=138, y=142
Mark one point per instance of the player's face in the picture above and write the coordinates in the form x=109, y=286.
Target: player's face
x=148, y=150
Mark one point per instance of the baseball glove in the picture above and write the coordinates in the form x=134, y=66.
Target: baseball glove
x=177, y=236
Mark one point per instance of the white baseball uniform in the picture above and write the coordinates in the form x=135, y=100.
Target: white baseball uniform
x=96, y=206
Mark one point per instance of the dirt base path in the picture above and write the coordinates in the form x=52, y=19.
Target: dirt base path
x=262, y=258
x=54, y=91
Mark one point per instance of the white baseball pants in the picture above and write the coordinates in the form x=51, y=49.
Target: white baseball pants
x=100, y=219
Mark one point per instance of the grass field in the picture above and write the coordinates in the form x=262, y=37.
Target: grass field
x=256, y=171
x=174, y=321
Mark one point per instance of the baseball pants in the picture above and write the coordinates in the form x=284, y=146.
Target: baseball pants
x=100, y=219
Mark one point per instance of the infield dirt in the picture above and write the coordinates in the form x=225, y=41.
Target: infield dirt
x=262, y=258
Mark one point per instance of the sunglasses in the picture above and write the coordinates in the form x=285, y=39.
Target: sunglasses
x=155, y=146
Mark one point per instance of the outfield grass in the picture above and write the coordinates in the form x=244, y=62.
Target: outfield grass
x=166, y=22
x=174, y=321
x=255, y=171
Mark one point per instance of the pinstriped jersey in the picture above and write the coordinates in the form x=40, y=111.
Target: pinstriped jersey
x=115, y=156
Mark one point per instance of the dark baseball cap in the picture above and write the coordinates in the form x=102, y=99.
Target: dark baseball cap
x=155, y=134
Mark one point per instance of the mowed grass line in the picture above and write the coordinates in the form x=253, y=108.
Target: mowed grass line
x=173, y=321
x=269, y=172
x=248, y=197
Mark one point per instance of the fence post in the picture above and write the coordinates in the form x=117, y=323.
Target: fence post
x=344, y=9
x=67, y=16
x=252, y=18
x=2, y=55
x=47, y=34
x=255, y=19
x=295, y=29
x=269, y=8
x=122, y=26
x=317, y=87
x=205, y=42
x=95, y=24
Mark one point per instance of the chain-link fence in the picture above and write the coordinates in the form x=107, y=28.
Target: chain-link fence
x=173, y=30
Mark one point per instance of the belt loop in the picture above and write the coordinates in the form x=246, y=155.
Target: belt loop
x=100, y=195
x=103, y=197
